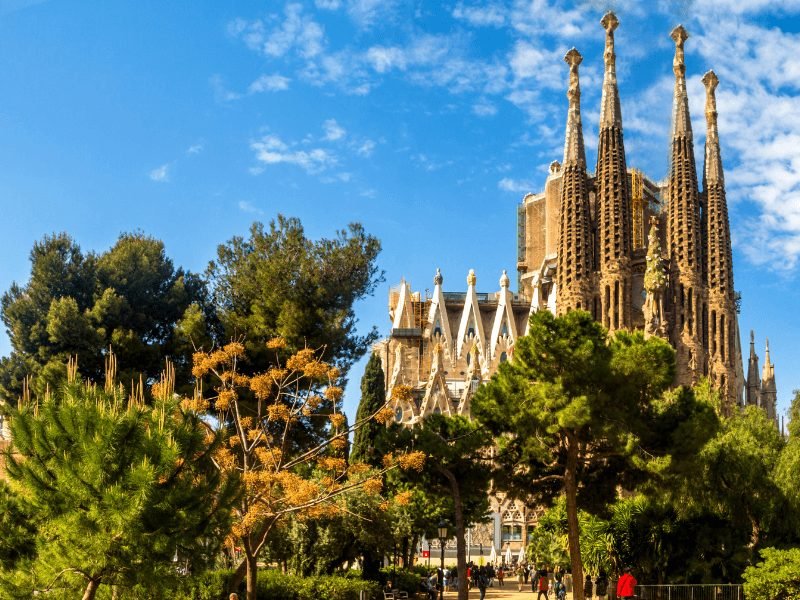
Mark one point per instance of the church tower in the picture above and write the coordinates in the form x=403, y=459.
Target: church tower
x=752, y=391
x=722, y=348
x=574, y=270
x=683, y=231
x=613, y=198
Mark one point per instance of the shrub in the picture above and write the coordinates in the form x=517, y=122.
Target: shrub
x=403, y=580
x=776, y=577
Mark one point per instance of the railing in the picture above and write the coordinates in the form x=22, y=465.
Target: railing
x=713, y=591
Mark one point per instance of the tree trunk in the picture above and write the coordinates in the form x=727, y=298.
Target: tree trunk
x=573, y=526
x=237, y=577
x=461, y=546
x=91, y=589
x=252, y=573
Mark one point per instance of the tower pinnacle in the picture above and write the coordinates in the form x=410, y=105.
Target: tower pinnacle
x=681, y=124
x=713, y=166
x=574, y=242
x=574, y=152
x=614, y=230
x=610, y=112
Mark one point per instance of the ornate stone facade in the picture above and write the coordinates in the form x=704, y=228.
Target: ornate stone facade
x=635, y=252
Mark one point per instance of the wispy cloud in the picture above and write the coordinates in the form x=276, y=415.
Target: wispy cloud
x=271, y=150
x=269, y=83
x=515, y=185
x=195, y=149
x=366, y=148
x=160, y=174
x=491, y=15
x=333, y=131
x=248, y=207
x=221, y=92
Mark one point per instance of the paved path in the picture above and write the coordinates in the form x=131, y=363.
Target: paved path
x=508, y=592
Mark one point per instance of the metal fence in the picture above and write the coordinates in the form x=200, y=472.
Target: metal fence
x=714, y=591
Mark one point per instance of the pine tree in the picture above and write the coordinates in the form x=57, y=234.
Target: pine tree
x=115, y=489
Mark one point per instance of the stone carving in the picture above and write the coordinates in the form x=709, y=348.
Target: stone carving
x=655, y=284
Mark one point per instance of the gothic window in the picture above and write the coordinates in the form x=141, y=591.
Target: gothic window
x=503, y=357
x=398, y=414
x=504, y=329
x=469, y=358
x=437, y=410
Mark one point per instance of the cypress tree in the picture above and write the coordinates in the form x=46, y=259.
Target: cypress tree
x=367, y=439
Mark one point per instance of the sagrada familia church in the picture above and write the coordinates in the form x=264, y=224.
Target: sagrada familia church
x=635, y=252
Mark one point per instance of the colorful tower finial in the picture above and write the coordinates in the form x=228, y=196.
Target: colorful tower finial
x=438, y=279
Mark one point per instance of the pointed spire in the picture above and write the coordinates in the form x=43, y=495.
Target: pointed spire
x=681, y=124
x=766, y=356
x=752, y=343
x=574, y=152
x=504, y=280
x=713, y=166
x=610, y=113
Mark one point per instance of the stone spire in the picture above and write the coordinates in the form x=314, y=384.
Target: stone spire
x=718, y=258
x=684, y=202
x=753, y=391
x=613, y=197
x=720, y=262
x=574, y=241
x=684, y=232
x=769, y=391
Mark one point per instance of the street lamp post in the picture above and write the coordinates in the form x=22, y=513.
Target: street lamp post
x=429, y=554
x=442, y=539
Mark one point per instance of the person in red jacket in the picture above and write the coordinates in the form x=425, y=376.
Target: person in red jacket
x=626, y=586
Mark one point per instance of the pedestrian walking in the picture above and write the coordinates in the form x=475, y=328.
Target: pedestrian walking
x=588, y=588
x=501, y=573
x=483, y=581
x=543, y=585
x=601, y=585
x=520, y=577
x=626, y=586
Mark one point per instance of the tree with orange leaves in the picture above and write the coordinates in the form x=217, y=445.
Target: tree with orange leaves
x=286, y=436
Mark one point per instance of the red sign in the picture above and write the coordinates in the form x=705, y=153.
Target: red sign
x=426, y=554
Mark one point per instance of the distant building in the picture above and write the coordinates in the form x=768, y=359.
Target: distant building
x=634, y=252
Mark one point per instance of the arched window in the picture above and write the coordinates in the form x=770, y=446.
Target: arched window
x=469, y=358
x=398, y=414
x=503, y=357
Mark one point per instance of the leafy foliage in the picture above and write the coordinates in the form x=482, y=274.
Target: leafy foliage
x=286, y=467
x=776, y=577
x=278, y=283
x=130, y=297
x=113, y=489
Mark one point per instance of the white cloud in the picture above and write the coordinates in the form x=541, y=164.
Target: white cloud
x=515, y=185
x=328, y=4
x=195, y=149
x=367, y=13
x=160, y=174
x=221, y=93
x=249, y=207
x=366, y=149
x=296, y=32
x=491, y=15
x=484, y=108
x=271, y=150
x=269, y=83
x=333, y=131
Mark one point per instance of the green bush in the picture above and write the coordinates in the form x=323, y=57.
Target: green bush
x=776, y=577
x=403, y=580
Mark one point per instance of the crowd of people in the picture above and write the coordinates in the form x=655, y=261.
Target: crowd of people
x=542, y=581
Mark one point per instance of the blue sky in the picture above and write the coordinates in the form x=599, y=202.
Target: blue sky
x=425, y=120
